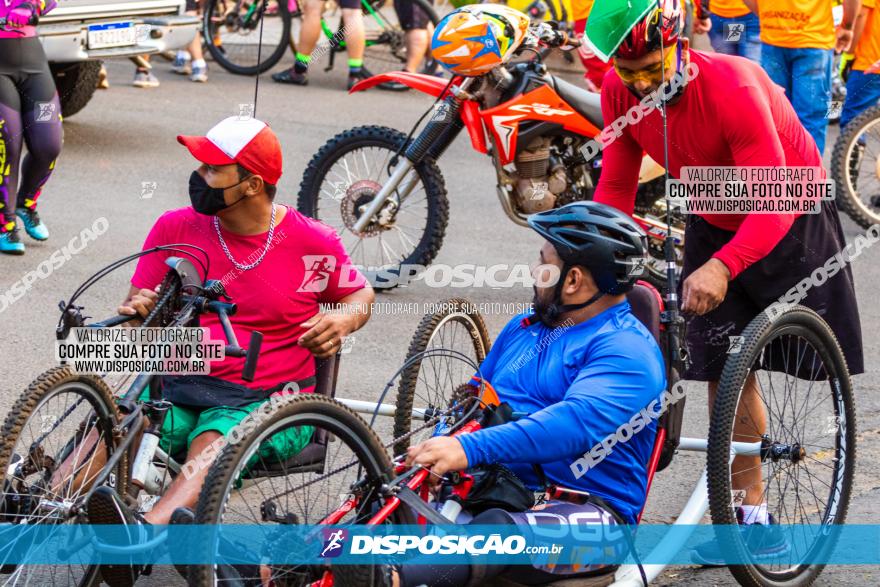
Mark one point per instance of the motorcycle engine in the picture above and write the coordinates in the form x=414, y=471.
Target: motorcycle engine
x=539, y=179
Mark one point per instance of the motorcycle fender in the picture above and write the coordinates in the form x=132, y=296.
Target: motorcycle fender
x=427, y=84
x=470, y=114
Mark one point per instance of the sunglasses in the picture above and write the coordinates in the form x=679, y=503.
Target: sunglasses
x=652, y=74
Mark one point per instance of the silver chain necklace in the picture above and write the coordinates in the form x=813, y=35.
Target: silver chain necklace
x=229, y=256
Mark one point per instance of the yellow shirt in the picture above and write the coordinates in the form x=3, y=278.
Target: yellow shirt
x=728, y=8
x=797, y=24
x=868, y=49
x=580, y=9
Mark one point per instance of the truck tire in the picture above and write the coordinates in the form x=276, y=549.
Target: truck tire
x=76, y=82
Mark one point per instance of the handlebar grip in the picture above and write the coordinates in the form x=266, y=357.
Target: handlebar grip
x=253, y=353
x=114, y=321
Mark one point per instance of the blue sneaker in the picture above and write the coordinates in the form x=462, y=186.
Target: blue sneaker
x=181, y=64
x=764, y=543
x=32, y=224
x=10, y=243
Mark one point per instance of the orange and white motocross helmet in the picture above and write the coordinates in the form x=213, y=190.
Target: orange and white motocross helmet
x=473, y=39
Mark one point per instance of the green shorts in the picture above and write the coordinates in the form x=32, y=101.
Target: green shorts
x=183, y=424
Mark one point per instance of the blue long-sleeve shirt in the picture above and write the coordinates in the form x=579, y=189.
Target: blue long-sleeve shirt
x=579, y=385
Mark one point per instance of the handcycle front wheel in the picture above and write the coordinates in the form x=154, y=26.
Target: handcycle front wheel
x=455, y=329
x=55, y=442
x=804, y=419
x=343, y=462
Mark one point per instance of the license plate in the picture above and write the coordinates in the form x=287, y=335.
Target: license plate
x=112, y=34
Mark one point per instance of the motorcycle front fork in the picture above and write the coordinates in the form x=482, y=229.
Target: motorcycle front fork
x=431, y=143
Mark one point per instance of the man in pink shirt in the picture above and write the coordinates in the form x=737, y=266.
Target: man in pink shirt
x=735, y=265
x=277, y=266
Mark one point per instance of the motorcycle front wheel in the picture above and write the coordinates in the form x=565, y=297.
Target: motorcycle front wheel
x=343, y=178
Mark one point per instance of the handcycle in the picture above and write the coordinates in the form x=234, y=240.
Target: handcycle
x=235, y=32
x=805, y=448
x=70, y=433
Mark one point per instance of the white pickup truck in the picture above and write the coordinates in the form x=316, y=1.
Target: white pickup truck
x=78, y=34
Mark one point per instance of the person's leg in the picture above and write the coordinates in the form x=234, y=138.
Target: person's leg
x=417, y=42
x=811, y=90
x=184, y=491
x=862, y=92
x=750, y=45
x=775, y=62
x=309, y=33
x=355, y=40
x=718, y=35
x=10, y=143
x=43, y=135
x=751, y=423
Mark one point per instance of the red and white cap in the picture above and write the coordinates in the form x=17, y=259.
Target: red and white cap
x=246, y=141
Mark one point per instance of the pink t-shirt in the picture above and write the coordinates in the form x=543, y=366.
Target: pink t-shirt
x=275, y=297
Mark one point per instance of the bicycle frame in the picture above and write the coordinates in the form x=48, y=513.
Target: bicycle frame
x=627, y=575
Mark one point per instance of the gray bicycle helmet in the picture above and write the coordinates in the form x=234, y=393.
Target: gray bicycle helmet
x=603, y=239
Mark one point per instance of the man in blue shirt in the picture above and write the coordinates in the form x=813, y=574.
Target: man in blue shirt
x=585, y=370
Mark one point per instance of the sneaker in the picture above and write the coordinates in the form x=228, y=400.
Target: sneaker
x=289, y=76
x=181, y=65
x=363, y=74
x=106, y=507
x=10, y=243
x=32, y=224
x=763, y=542
x=145, y=79
x=199, y=74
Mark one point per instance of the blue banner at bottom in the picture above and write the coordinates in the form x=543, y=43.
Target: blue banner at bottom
x=538, y=545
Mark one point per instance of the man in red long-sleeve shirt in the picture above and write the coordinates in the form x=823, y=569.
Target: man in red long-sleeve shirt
x=728, y=114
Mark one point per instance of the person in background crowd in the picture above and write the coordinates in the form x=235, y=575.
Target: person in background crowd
x=355, y=41
x=191, y=61
x=863, y=82
x=798, y=41
x=595, y=67
x=734, y=30
x=30, y=113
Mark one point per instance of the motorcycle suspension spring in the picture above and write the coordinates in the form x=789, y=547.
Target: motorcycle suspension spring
x=445, y=139
x=447, y=112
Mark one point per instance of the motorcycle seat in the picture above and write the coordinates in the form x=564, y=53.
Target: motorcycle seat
x=587, y=103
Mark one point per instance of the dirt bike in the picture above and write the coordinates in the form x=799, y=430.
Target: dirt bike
x=385, y=195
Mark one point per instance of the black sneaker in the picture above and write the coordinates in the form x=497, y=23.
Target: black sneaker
x=106, y=507
x=362, y=74
x=182, y=516
x=290, y=76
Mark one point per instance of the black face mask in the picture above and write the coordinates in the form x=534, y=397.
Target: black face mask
x=549, y=313
x=207, y=200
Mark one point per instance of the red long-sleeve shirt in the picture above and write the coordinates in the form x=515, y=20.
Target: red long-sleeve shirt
x=730, y=114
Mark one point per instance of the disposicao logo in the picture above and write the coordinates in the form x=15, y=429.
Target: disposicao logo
x=333, y=542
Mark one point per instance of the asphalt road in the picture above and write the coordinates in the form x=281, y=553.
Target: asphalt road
x=125, y=140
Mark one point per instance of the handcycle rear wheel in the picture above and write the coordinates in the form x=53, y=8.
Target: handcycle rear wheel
x=432, y=381
x=807, y=444
x=355, y=464
x=62, y=424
